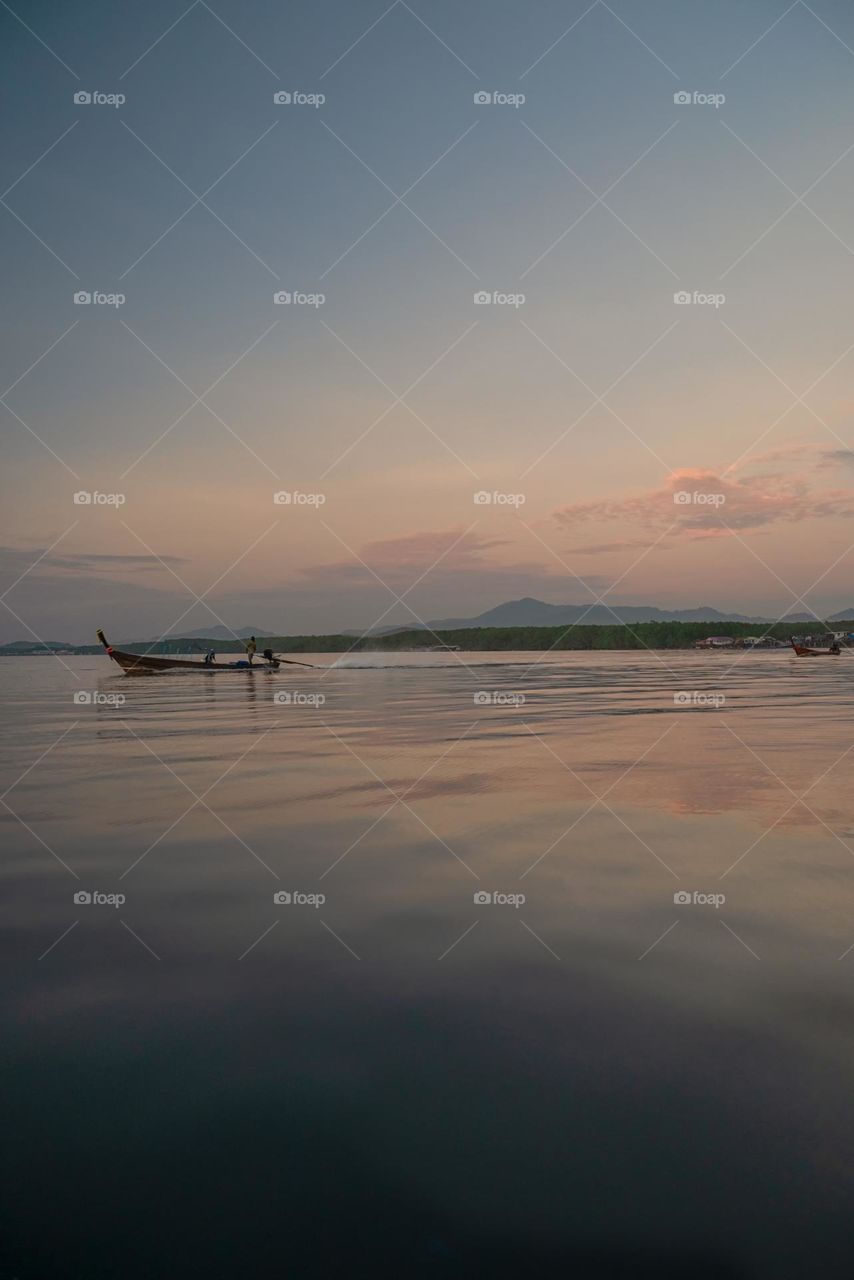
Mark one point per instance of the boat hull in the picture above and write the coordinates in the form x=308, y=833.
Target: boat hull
x=143, y=663
x=137, y=664
x=804, y=651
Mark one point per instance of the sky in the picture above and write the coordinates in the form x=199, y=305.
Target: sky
x=564, y=310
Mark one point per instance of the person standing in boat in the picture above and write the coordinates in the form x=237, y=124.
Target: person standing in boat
x=251, y=648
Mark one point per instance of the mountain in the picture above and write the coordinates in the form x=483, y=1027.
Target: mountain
x=215, y=633
x=529, y=612
x=385, y=631
x=536, y=613
x=36, y=646
x=526, y=612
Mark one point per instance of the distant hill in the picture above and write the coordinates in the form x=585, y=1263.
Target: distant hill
x=536, y=613
x=386, y=631
x=216, y=633
x=37, y=646
x=166, y=644
x=527, y=612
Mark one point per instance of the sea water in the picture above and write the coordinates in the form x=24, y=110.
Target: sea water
x=444, y=964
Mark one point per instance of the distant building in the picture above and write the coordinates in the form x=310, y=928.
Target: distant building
x=760, y=642
x=715, y=642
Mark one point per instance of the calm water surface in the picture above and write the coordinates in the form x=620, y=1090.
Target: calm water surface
x=580, y=1076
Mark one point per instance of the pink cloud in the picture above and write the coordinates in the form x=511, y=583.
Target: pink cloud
x=700, y=503
x=435, y=557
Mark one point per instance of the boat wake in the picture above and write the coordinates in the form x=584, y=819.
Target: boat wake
x=385, y=662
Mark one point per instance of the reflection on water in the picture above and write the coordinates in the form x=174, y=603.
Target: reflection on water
x=583, y=1074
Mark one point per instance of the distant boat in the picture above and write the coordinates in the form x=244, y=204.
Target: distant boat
x=806, y=651
x=444, y=648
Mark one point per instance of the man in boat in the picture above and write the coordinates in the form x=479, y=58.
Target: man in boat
x=273, y=661
x=251, y=648
x=210, y=658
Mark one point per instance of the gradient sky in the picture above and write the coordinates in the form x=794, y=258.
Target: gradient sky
x=752, y=400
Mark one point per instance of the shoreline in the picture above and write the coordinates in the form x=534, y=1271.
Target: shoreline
x=576, y=637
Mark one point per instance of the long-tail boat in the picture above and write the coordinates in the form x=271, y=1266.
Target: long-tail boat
x=806, y=651
x=142, y=663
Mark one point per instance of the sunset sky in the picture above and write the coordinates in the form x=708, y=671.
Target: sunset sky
x=645, y=450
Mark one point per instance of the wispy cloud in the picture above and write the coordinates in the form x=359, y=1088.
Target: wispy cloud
x=700, y=502
x=14, y=559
